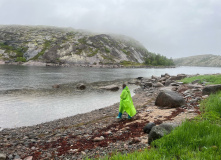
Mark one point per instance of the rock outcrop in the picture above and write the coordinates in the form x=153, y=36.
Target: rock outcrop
x=207, y=60
x=67, y=46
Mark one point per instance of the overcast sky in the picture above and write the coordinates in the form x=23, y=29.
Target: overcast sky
x=173, y=28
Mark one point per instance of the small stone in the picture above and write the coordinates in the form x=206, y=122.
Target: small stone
x=97, y=139
x=205, y=96
x=2, y=156
x=56, y=86
x=82, y=152
x=33, y=148
x=125, y=146
x=73, y=150
x=10, y=156
x=108, y=133
x=28, y=158
x=191, y=111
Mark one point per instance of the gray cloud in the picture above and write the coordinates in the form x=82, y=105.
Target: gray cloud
x=169, y=27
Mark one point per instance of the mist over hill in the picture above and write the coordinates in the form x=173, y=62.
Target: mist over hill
x=207, y=60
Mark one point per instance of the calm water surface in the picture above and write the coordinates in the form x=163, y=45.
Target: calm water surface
x=22, y=110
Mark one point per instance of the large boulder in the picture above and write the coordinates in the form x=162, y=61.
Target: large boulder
x=211, y=89
x=168, y=98
x=110, y=87
x=148, y=127
x=159, y=131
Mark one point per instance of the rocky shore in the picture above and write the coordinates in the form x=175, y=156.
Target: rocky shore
x=99, y=133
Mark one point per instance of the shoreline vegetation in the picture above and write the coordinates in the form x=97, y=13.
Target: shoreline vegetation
x=121, y=65
x=99, y=135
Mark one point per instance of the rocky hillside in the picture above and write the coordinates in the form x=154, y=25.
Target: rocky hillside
x=207, y=60
x=67, y=46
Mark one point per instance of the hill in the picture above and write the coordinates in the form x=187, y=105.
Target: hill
x=67, y=46
x=207, y=60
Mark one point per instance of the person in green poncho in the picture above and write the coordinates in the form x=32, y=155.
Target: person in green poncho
x=126, y=103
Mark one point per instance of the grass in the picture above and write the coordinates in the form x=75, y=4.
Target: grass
x=196, y=139
x=93, y=53
x=211, y=79
x=19, y=51
x=20, y=59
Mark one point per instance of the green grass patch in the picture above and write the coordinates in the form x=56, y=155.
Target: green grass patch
x=19, y=51
x=212, y=104
x=78, y=52
x=93, y=53
x=107, y=50
x=126, y=52
x=82, y=40
x=210, y=79
x=20, y=59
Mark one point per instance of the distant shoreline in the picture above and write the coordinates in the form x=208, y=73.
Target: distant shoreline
x=35, y=63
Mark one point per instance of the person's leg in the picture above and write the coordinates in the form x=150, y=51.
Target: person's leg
x=119, y=115
x=129, y=117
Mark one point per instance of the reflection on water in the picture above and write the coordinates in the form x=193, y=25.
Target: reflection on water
x=29, y=109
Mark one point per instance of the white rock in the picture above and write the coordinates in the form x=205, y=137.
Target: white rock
x=97, y=139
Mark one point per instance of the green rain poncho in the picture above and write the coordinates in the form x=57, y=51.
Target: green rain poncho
x=126, y=103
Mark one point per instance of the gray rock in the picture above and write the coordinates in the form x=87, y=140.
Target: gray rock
x=168, y=82
x=162, y=79
x=196, y=81
x=158, y=84
x=159, y=131
x=153, y=77
x=81, y=86
x=174, y=84
x=211, y=89
x=148, y=84
x=10, y=156
x=169, y=99
x=148, y=127
x=178, y=77
x=56, y=86
x=2, y=156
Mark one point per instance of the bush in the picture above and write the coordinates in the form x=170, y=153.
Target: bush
x=20, y=59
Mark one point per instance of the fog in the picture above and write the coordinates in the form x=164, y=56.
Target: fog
x=173, y=28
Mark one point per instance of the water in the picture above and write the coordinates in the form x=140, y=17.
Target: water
x=29, y=109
